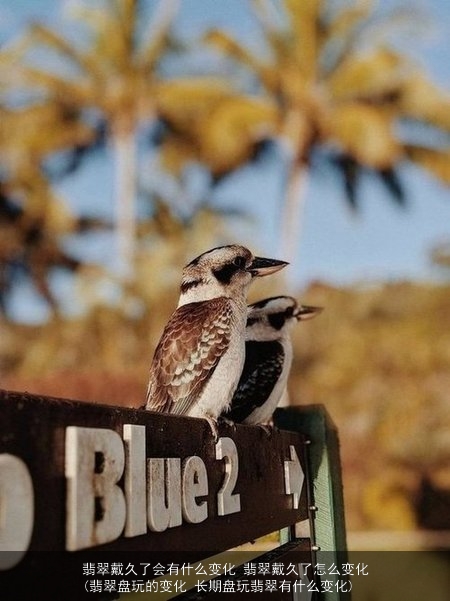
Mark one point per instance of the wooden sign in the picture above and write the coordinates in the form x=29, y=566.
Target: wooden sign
x=77, y=476
x=85, y=487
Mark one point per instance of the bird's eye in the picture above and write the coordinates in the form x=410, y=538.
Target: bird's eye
x=289, y=311
x=225, y=273
x=239, y=262
x=277, y=320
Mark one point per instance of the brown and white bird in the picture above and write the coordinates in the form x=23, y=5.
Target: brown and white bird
x=200, y=356
x=268, y=358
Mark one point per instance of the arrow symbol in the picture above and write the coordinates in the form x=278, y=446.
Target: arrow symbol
x=293, y=477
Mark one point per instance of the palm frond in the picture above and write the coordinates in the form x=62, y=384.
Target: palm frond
x=156, y=39
x=366, y=133
x=235, y=125
x=421, y=99
x=373, y=75
x=350, y=172
x=391, y=180
x=433, y=160
x=30, y=78
x=233, y=49
x=182, y=103
x=46, y=36
x=344, y=23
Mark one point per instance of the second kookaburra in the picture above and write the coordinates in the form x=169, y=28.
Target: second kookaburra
x=200, y=356
x=268, y=358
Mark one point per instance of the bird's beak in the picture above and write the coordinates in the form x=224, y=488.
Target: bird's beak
x=260, y=267
x=307, y=312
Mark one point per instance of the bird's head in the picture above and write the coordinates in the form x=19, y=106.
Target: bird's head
x=223, y=271
x=271, y=318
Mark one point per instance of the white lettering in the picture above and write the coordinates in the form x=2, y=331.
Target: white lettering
x=16, y=510
x=96, y=507
x=227, y=502
x=135, y=476
x=195, y=484
x=164, y=494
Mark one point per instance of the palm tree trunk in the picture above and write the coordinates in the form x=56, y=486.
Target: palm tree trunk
x=123, y=145
x=292, y=209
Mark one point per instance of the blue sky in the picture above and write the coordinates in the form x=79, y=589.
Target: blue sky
x=380, y=242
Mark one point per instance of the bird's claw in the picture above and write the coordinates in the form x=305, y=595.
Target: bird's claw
x=268, y=428
x=214, y=428
x=229, y=422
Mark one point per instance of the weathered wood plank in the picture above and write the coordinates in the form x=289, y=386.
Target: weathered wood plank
x=34, y=428
x=55, y=441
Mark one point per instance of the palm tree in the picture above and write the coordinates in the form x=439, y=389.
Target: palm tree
x=216, y=126
x=115, y=75
x=342, y=89
x=33, y=218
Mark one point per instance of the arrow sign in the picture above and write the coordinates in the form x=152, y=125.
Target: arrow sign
x=293, y=477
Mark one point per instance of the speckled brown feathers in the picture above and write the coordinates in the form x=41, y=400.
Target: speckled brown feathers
x=190, y=348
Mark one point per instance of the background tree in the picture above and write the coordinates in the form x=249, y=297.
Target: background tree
x=113, y=73
x=33, y=218
x=216, y=126
x=341, y=88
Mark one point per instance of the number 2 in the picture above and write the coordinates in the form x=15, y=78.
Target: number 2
x=227, y=502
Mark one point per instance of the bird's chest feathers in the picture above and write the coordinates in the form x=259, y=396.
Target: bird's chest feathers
x=223, y=382
x=229, y=368
x=217, y=393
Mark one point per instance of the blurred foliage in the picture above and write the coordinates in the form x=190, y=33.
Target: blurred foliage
x=216, y=126
x=337, y=82
x=110, y=89
x=111, y=77
x=33, y=218
x=378, y=359
x=330, y=78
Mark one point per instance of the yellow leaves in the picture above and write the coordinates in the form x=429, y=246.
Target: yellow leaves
x=296, y=89
x=365, y=133
x=175, y=152
x=386, y=501
x=156, y=38
x=423, y=100
x=435, y=161
x=232, y=49
x=38, y=130
x=307, y=8
x=115, y=71
x=42, y=206
x=214, y=125
x=184, y=102
x=58, y=218
x=75, y=92
x=349, y=18
x=371, y=75
x=302, y=35
x=50, y=38
x=356, y=106
x=378, y=358
x=229, y=133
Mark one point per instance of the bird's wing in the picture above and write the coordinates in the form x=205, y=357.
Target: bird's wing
x=192, y=343
x=263, y=366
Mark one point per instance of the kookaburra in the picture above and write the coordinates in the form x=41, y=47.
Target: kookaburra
x=200, y=356
x=268, y=358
